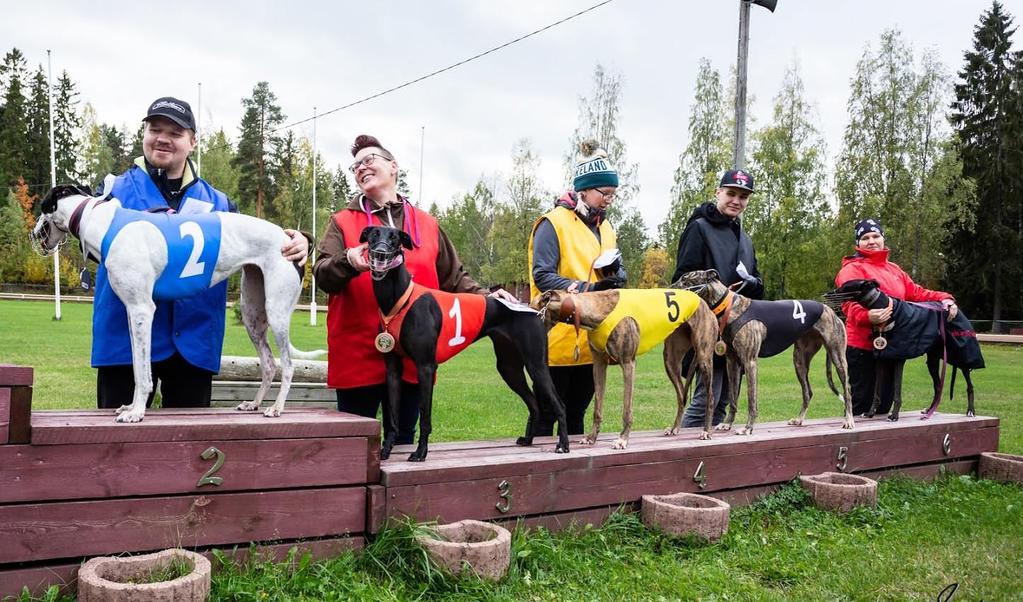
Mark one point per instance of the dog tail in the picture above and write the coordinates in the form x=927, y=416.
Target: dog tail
x=831, y=382
x=306, y=355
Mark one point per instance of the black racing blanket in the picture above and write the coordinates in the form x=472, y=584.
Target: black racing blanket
x=917, y=327
x=785, y=320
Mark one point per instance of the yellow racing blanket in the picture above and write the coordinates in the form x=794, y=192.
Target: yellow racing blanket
x=658, y=311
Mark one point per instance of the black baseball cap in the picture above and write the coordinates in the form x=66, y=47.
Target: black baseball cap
x=737, y=178
x=178, y=111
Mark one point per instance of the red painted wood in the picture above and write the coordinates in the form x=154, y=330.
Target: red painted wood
x=376, y=508
x=64, y=427
x=564, y=520
x=373, y=463
x=32, y=532
x=38, y=579
x=469, y=462
x=43, y=472
x=563, y=486
x=12, y=376
x=19, y=429
x=5, y=414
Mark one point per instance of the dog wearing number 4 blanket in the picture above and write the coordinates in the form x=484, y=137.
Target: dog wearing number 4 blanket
x=162, y=256
x=430, y=326
x=750, y=329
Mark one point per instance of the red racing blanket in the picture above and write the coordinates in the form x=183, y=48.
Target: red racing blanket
x=463, y=315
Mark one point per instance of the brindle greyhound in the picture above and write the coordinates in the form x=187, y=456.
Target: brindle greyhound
x=518, y=336
x=751, y=329
x=696, y=331
x=932, y=340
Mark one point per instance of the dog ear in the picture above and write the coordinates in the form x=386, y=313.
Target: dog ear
x=49, y=204
x=365, y=234
x=712, y=275
x=406, y=240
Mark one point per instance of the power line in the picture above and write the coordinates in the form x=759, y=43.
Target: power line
x=448, y=68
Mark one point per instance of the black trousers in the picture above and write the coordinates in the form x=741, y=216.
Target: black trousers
x=181, y=384
x=862, y=368
x=366, y=401
x=574, y=385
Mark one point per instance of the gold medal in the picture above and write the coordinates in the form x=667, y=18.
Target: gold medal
x=880, y=343
x=384, y=342
x=720, y=348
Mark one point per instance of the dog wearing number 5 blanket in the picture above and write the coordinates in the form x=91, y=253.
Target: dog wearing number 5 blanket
x=750, y=329
x=625, y=324
x=164, y=256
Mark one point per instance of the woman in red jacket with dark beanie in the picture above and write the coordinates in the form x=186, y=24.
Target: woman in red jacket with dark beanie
x=870, y=262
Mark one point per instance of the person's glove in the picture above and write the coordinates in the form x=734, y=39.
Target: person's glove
x=608, y=283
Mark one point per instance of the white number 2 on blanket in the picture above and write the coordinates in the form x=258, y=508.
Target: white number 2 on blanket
x=797, y=312
x=456, y=313
x=193, y=267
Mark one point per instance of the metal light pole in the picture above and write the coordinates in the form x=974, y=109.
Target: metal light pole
x=312, y=252
x=53, y=183
x=198, y=133
x=739, y=158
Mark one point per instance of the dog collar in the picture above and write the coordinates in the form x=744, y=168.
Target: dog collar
x=721, y=308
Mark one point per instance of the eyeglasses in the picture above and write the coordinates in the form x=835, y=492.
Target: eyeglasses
x=366, y=161
x=607, y=195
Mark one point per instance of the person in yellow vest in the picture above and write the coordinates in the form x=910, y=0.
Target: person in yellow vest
x=563, y=246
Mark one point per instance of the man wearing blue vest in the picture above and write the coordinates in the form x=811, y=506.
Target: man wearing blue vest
x=714, y=240
x=188, y=334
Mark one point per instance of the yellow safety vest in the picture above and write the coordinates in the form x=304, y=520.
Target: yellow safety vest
x=578, y=247
x=658, y=311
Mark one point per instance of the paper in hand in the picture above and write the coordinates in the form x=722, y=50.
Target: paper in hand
x=741, y=271
x=516, y=306
x=607, y=258
x=194, y=206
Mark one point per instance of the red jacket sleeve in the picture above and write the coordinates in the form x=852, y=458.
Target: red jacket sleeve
x=915, y=292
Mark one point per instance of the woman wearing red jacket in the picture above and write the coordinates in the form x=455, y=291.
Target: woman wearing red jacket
x=870, y=262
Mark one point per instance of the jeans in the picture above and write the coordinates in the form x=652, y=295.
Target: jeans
x=697, y=410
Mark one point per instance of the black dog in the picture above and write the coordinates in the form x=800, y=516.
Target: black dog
x=413, y=316
x=914, y=329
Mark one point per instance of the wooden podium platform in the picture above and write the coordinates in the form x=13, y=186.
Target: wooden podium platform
x=497, y=480
x=75, y=484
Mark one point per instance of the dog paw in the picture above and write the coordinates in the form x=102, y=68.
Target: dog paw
x=122, y=409
x=847, y=424
x=724, y=426
x=129, y=417
x=744, y=431
x=970, y=414
x=587, y=441
x=796, y=422
x=705, y=436
x=561, y=449
x=272, y=412
x=620, y=443
x=893, y=417
x=247, y=406
x=672, y=431
x=416, y=457
x=524, y=441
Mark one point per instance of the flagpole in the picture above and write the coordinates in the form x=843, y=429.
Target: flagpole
x=198, y=133
x=53, y=183
x=312, y=252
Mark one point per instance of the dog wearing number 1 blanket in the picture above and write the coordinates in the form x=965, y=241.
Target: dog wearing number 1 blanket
x=165, y=256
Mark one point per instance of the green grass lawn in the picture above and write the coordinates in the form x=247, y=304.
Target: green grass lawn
x=921, y=537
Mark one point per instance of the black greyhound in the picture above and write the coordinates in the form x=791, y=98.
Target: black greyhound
x=519, y=337
x=913, y=330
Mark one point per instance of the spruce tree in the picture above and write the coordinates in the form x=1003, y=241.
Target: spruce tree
x=256, y=146
x=37, y=117
x=66, y=124
x=13, y=120
x=987, y=256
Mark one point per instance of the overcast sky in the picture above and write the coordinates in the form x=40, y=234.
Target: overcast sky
x=122, y=55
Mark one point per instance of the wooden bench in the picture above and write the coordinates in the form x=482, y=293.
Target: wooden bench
x=239, y=379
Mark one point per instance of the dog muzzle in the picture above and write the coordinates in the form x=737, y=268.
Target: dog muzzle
x=383, y=260
x=43, y=232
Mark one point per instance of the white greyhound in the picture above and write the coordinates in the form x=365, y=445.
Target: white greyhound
x=141, y=258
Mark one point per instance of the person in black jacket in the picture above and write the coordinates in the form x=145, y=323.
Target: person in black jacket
x=714, y=239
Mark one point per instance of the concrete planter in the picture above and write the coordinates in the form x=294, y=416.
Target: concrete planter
x=482, y=547
x=839, y=491
x=1006, y=468
x=687, y=514
x=105, y=579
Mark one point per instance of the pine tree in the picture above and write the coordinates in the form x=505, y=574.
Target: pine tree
x=599, y=115
x=705, y=156
x=218, y=168
x=13, y=120
x=37, y=117
x=986, y=257
x=342, y=190
x=66, y=124
x=257, y=144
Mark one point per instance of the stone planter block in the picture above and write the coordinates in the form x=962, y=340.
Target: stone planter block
x=483, y=547
x=103, y=579
x=1006, y=468
x=686, y=514
x=839, y=491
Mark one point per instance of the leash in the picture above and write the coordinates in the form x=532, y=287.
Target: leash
x=568, y=313
x=408, y=215
x=385, y=340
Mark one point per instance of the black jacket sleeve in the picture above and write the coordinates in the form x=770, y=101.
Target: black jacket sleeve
x=690, y=256
x=546, y=258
